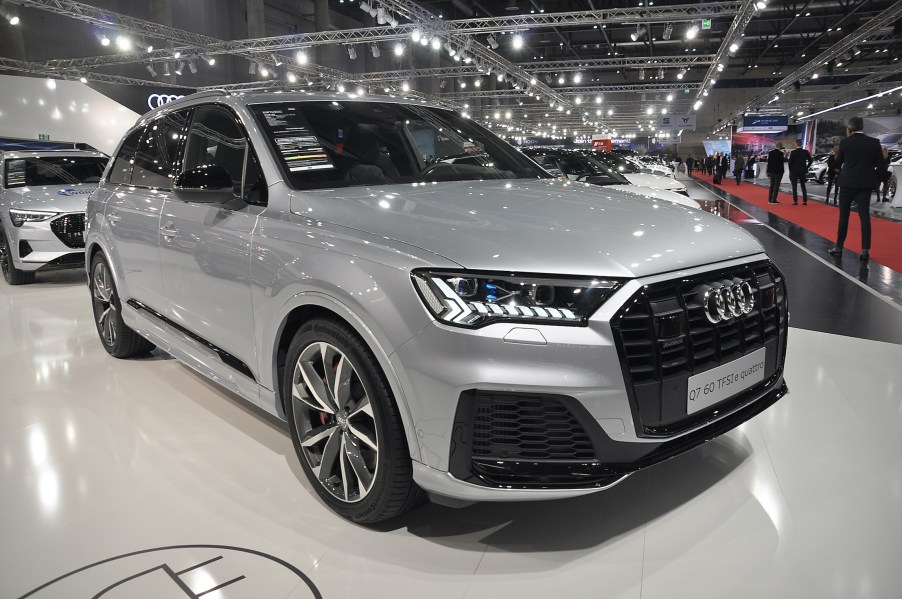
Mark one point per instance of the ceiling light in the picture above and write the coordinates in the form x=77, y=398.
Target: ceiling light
x=374, y=48
x=517, y=42
x=462, y=83
x=166, y=70
x=104, y=40
x=641, y=74
x=264, y=72
x=416, y=35
x=341, y=88
x=436, y=43
x=638, y=34
x=668, y=31
x=277, y=60
x=424, y=41
x=493, y=43
x=692, y=32
x=211, y=61
x=561, y=80
x=83, y=79
x=405, y=86
x=477, y=82
x=292, y=78
x=180, y=67
x=365, y=6
x=733, y=47
x=399, y=49
x=761, y=4
x=123, y=43
x=301, y=57
x=660, y=73
x=352, y=53
x=670, y=97
x=610, y=111
x=719, y=67
x=191, y=66
x=697, y=105
x=577, y=78
x=51, y=84
x=360, y=91
x=14, y=20
x=151, y=70
x=681, y=74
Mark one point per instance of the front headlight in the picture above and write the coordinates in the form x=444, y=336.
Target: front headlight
x=20, y=217
x=473, y=299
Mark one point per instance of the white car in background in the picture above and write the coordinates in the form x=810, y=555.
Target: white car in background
x=577, y=166
x=635, y=176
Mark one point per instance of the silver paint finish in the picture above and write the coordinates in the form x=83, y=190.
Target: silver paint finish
x=235, y=275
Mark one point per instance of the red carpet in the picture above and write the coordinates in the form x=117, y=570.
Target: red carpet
x=819, y=218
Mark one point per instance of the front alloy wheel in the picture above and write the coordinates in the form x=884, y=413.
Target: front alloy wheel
x=345, y=425
x=11, y=274
x=118, y=339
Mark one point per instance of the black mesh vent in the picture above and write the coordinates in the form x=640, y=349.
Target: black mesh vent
x=70, y=229
x=527, y=428
x=664, y=338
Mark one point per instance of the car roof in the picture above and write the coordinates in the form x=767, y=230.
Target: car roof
x=9, y=154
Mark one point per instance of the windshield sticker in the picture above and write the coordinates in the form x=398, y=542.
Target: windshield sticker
x=15, y=173
x=299, y=147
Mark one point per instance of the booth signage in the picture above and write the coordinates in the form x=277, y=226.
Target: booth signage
x=706, y=23
x=676, y=122
x=602, y=141
x=764, y=124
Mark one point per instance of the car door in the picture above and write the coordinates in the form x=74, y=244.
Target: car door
x=205, y=248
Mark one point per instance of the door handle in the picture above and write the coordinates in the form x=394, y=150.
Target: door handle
x=113, y=218
x=168, y=232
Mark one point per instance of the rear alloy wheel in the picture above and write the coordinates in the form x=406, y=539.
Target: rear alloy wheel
x=345, y=425
x=118, y=340
x=11, y=274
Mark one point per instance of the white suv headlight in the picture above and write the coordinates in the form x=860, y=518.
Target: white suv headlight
x=473, y=299
x=20, y=217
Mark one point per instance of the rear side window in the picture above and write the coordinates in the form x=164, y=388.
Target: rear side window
x=120, y=173
x=155, y=160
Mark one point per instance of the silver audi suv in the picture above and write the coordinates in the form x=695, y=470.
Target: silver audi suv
x=471, y=329
x=42, y=209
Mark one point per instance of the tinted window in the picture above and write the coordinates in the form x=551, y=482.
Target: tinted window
x=155, y=160
x=122, y=167
x=53, y=170
x=336, y=144
x=216, y=138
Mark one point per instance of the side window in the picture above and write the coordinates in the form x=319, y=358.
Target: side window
x=155, y=161
x=216, y=138
x=120, y=173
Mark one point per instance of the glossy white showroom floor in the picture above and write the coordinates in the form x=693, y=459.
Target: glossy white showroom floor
x=103, y=459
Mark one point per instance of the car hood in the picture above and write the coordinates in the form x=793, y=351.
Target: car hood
x=534, y=225
x=654, y=181
x=54, y=198
x=660, y=194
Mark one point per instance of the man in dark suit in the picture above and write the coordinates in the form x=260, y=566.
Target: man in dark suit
x=860, y=163
x=689, y=164
x=775, y=171
x=799, y=162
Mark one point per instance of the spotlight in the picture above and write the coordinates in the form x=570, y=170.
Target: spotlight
x=399, y=50
x=191, y=66
x=264, y=72
x=277, y=60
x=598, y=99
x=638, y=34
x=697, y=105
x=517, y=42
x=442, y=83
x=211, y=61
x=341, y=88
x=692, y=32
x=719, y=67
x=462, y=83
x=670, y=97
x=51, y=84
x=561, y=80
x=405, y=86
x=424, y=41
x=660, y=73
x=681, y=74
x=180, y=67
x=436, y=43
x=104, y=40
x=360, y=90
x=166, y=71
x=493, y=43
x=14, y=20
x=151, y=70
x=292, y=78
x=761, y=4
x=365, y=6
x=252, y=68
x=352, y=52
x=641, y=74
x=734, y=47
x=301, y=57
x=477, y=82
x=83, y=79
x=374, y=48
x=668, y=31
x=123, y=43
x=577, y=78
x=177, y=54
x=416, y=35
x=380, y=15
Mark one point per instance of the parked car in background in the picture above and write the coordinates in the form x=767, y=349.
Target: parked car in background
x=578, y=166
x=818, y=170
x=42, y=209
x=890, y=141
x=476, y=331
x=636, y=175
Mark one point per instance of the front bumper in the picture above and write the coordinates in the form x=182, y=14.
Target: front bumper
x=574, y=413
x=52, y=244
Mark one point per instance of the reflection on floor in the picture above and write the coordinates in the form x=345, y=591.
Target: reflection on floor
x=189, y=489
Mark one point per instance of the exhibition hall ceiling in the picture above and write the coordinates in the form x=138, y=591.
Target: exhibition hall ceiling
x=578, y=66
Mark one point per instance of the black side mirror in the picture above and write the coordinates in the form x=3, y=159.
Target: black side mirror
x=210, y=184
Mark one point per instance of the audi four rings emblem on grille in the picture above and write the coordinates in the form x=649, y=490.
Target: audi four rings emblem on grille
x=157, y=100
x=728, y=300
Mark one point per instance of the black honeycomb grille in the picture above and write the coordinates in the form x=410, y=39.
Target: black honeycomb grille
x=527, y=428
x=70, y=229
x=664, y=338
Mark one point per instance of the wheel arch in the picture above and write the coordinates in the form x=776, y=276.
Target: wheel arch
x=307, y=306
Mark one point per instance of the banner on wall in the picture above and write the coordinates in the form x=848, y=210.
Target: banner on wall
x=760, y=143
x=763, y=124
x=716, y=146
x=140, y=98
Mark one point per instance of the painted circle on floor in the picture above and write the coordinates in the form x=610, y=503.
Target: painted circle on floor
x=186, y=571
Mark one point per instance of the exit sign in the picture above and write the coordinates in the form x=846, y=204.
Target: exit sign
x=43, y=137
x=706, y=23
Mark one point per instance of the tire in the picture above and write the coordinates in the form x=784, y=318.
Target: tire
x=117, y=339
x=11, y=274
x=351, y=441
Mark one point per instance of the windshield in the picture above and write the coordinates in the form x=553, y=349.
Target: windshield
x=890, y=137
x=338, y=144
x=53, y=170
x=578, y=167
x=621, y=165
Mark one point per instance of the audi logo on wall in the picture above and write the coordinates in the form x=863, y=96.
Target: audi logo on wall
x=727, y=301
x=157, y=100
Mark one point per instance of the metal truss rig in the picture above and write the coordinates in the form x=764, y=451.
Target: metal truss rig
x=646, y=62
x=36, y=68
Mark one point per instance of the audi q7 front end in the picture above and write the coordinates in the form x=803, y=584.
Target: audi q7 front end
x=426, y=307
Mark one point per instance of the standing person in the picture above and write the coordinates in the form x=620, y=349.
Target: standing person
x=775, y=172
x=689, y=163
x=718, y=178
x=738, y=167
x=750, y=167
x=860, y=163
x=724, y=165
x=799, y=162
x=832, y=175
